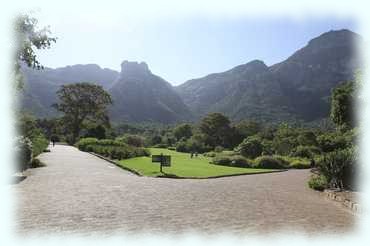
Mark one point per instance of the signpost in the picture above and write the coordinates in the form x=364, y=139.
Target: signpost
x=164, y=160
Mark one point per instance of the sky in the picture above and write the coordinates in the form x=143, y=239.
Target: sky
x=180, y=48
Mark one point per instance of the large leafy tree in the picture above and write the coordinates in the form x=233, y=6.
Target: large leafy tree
x=182, y=131
x=216, y=129
x=82, y=103
x=342, y=105
x=29, y=38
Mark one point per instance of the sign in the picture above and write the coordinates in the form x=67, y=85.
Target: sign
x=156, y=158
x=164, y=160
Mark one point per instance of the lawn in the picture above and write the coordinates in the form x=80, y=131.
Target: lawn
x=184, y=166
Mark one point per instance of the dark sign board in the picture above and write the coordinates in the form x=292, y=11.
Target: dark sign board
x=156, y=158
x=165, y=160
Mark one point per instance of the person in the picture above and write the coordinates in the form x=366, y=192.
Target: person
x=53, y=140
x=191, y=154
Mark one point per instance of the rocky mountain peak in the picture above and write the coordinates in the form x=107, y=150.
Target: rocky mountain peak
x=134, y=68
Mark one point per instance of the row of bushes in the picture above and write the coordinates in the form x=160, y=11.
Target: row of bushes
x=270, y=162
x=113, y=149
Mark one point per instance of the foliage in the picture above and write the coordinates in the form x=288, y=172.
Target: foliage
x=216, y=129
x=317, y=182
x=81, y=103
x=233, y=161
x=96, y=131
x=247, y=128
x=300, y=164
x=182, y=131
x=269, y=162
x=251, y=147
x=306, y=151
x=342, y=105
x=29, y=38
x=285, y=139
x=39, y=144
x=23, y=149
x=134, y=140
x=219, y=149
x=332, y=141
x=339, y=168
x=111, y=148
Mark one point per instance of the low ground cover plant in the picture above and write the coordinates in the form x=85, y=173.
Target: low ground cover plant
x=113, y=149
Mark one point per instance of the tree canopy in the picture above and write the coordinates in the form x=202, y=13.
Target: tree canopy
x=80, y=103
x=28, y=38
x=342, y=105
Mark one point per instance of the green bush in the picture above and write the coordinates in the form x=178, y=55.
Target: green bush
x=39, y=144
x=300, y=164
x=160, y=145
x=318, y=182
x=339, y=168
x=222, y=160
x=219, y=149
x=23, y=148
x=171, y=148
x=232, y=161
x=269, y=162
x=83, y=143
x=181, y=146
x=113, y=149
x=210, y=154
x=251, y=147
x=240, y=161
x=306, y=151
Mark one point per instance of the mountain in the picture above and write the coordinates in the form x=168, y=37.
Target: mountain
x=40, y=86
x=139, y=95
x=298, y=88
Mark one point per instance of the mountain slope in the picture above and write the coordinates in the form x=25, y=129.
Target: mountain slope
x=138, y=95
x=40, y=86
x=295, y=89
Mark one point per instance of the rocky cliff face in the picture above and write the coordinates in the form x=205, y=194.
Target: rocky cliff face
x=139, y=96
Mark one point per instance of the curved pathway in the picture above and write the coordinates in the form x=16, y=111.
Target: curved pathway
x=79, y=193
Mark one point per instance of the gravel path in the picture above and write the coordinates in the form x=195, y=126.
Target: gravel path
x=80, y=193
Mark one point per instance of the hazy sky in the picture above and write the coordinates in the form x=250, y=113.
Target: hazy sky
x=178, y=49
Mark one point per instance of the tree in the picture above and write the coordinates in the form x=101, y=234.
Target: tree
x=216, y=129
x=248, y=128
x=182, y=131
x=251, y=147
x=342, y=105
x=80, y=103
x=29, y=38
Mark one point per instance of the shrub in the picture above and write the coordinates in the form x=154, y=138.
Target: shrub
x=240, y=161
x=23, y=147
x=210, y=154
x=306, y=151
x=222, y=160
x=181, y=147
x=134, y=140
x=329, y=142
x=300, y=164
x=171, y=148
x=317, y=182
x=251, y=147
x=269, y=162
x=339, y=168
x=160, y=145
x=84, y=142
x=35, y=163
x=39, y=144
x=219, y=149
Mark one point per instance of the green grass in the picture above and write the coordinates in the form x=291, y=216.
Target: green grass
x=183, y=166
